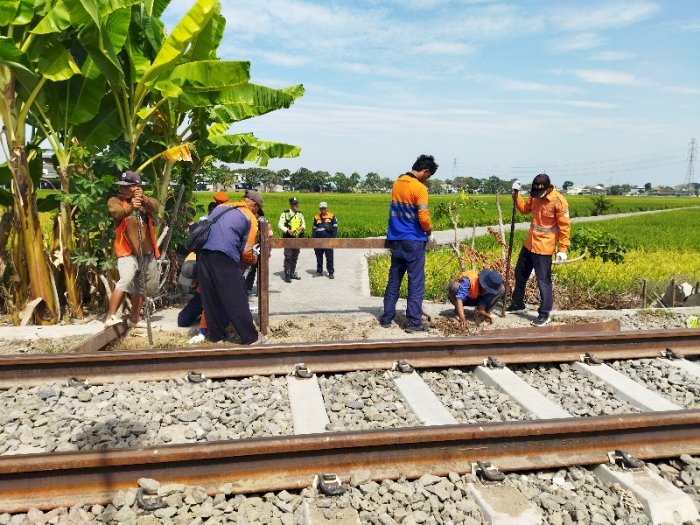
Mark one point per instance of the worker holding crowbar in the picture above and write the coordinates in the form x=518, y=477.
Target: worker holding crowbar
x=135, y=247
x=549, y=233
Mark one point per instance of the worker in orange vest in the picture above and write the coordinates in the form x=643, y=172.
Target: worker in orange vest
x=479, y=289
x=549, y=232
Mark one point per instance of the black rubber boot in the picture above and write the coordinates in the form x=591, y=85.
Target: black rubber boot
x=287, y=276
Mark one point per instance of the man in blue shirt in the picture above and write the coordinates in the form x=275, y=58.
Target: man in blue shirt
x=481, y=290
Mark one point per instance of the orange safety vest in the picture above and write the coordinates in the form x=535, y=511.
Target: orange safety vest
x=248, y=256
x=473, y=282
x=122, y=246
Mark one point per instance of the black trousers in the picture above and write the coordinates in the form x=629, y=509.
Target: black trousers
x=542, y=264
x=319, y=259
x=291, y=255
x=223, y=292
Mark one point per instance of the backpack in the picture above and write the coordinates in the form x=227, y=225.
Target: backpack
x=199, y=232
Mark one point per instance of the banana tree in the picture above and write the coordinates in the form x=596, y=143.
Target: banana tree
x=29, y=63
x=172, y=95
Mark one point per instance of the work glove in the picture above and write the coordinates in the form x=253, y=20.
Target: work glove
x=561, y=257
x=256, y=249
x=516, y=185
x=431, y=241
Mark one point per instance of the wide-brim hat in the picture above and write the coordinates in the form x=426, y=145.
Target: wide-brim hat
x=540, y=185
x=129, y=178
x=257, y=199
x=490, y=281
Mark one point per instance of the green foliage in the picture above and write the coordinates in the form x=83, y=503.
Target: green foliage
x=441, y=269
x=601, y=205
x=596, y=243
x=654, y=248
x=93, y=231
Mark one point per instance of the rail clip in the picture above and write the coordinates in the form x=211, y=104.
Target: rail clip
x=148, y=499
x=404, y=367
x=670, y=354
x=485, y=471
x=590, y=359
x=330, y=485
x=77, y=383
x=493, y=362
x=301, y=371
x=195, y=377
x=625, y=460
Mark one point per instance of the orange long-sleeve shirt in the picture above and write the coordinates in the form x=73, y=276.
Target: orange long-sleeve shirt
x=550, y=223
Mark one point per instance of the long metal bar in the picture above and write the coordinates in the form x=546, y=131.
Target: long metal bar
x=266, y=464
x=301, y=243
x=103, y=367
x=98, y=341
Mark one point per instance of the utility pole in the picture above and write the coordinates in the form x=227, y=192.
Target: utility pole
x=689, y=175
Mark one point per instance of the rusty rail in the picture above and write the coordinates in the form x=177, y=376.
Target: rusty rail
x=215, y=363
x=265, y=464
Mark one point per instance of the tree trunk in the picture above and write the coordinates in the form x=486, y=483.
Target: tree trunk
x=74, y=295
x=31, y=240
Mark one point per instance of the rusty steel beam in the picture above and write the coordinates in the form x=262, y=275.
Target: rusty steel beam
x=279, y=359
x=267, y=244
x=100, y=340
x=602, y=326
x=334, y=243
x=268, y=464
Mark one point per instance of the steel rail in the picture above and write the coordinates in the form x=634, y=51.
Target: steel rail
x=279, y=359
x=267, y=464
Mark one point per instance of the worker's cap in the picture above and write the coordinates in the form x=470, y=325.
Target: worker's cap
x=129, y=178
x=539, y=185
x=221, y=197
x=490, y=281
x=257, y=199
x=323, y=204
x=293, y=200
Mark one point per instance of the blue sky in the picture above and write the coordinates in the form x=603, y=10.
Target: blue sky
x=588, y=91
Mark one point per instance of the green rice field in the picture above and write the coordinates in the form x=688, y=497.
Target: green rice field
x=661, y=247
x=365, y=215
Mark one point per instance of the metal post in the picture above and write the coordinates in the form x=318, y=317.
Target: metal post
x=506, y=277
x=264, y=277
x=644, y=293
x=673, y=293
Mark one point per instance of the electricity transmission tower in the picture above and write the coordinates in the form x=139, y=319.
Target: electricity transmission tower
x=689, y=176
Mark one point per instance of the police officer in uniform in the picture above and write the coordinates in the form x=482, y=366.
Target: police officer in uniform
x=325, y=227
x=292, y=225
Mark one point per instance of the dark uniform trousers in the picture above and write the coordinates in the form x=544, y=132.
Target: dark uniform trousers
x=223, y=290
x=542, y=264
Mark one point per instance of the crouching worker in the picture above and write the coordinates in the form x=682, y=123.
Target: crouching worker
x=479, y=289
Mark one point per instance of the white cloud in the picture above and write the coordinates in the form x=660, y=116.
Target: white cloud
x=443, y=48
x=691, y=25
x=683, y=90
x=613, y=56
x=589, y=104
x=579, y=42
x=618, y=14
x=610, y=78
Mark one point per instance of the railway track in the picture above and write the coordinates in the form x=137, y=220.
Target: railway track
x=555, y=439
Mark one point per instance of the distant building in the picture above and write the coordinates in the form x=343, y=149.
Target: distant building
x=636, y=191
